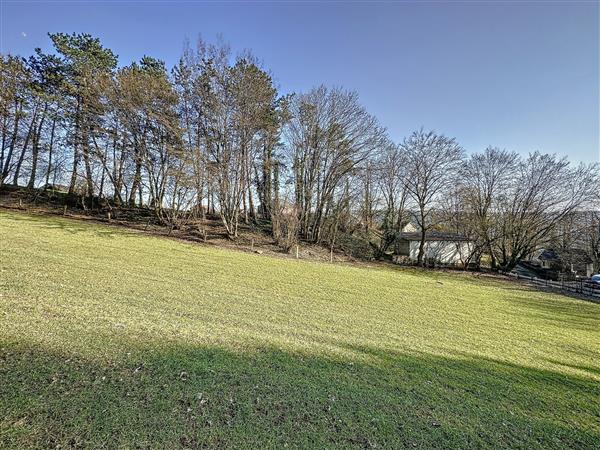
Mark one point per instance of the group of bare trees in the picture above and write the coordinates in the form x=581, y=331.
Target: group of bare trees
x=330, y=137
x=510, y=205
x=506, y=205
x=213, y=136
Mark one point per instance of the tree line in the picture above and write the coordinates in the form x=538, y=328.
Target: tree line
x=213, y=136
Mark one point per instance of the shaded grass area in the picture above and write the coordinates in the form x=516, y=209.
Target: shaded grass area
x=113, y=339
x=211, y=397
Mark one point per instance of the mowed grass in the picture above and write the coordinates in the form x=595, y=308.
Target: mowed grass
x=113, y=339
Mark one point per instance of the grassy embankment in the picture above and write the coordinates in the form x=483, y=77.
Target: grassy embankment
x=112, y=338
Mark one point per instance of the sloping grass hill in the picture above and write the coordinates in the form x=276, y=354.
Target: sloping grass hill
x=110, y=338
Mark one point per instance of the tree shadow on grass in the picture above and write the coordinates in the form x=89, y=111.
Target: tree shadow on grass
x=266, y=398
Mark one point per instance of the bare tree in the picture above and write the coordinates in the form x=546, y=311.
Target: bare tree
x=545, y=190
x=390, y=175
x=484, y=178
x=432, y=161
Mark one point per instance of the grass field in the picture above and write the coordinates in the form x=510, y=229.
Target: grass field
x=110, y=338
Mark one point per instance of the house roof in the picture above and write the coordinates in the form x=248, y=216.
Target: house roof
x=548, y=255
x=576, y=256
x=433, y=236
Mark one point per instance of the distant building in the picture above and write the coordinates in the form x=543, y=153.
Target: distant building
x=576, y=263
x=545, y=258
x=440, y=248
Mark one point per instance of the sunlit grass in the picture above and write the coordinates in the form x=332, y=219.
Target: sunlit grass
x=113, y=338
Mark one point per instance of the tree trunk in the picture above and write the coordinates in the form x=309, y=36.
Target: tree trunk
x=75, y=149
x=4, y=136
x=251, y=203
x=422, y=242
x=36, y=149
x=13, y=141
x=86, y=160
x=49, y=169
x=30, y=131
x=275, y=198
x=137, y=179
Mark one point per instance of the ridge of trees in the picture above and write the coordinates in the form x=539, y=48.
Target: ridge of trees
x=213, y=136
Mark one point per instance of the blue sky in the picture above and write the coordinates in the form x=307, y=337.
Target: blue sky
x=517, y=75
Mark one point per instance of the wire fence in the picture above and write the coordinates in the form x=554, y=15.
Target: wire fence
x=581, y=287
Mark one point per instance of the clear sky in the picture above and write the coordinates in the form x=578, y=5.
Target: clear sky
x=517, y=75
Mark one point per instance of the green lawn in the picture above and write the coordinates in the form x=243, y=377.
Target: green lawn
x=110, y=338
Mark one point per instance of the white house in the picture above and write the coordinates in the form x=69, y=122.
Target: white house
x=440, y=248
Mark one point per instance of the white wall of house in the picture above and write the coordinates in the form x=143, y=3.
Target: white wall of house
x=409, y=228
x=444, y=252
x=589, y=269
